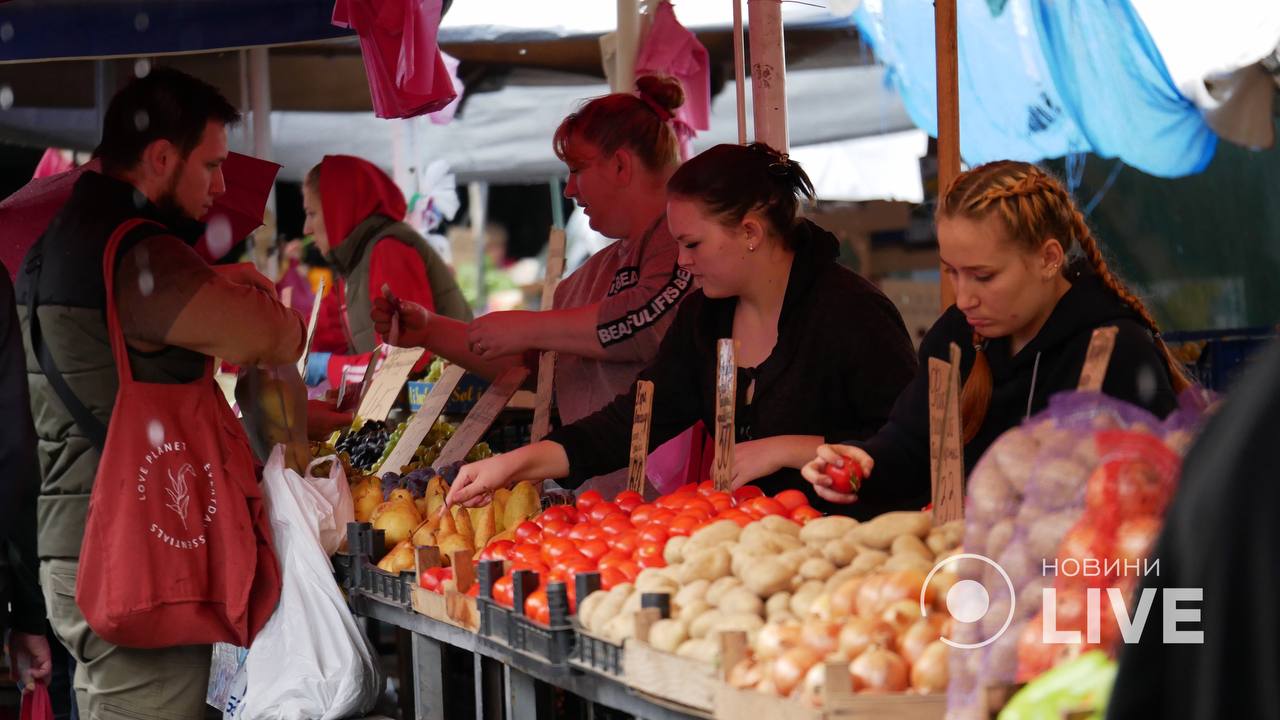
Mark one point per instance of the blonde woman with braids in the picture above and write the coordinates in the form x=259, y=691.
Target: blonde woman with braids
x=1031, y=287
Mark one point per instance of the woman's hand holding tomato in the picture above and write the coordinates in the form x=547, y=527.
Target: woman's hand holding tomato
x=838, y=471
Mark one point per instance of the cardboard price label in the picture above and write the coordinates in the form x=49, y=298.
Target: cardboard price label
x=481, y=417
x=1097, y=359
x=726, y=407
x=946, y=447
x=423, y=420
x=311, y=329
x=640, y=436
x=387, y=381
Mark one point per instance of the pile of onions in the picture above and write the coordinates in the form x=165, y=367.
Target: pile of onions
x=879, y=671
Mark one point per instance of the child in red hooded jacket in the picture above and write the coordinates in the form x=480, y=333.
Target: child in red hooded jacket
x=355, y=214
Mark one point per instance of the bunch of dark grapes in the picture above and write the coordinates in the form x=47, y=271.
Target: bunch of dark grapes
x=364, y=446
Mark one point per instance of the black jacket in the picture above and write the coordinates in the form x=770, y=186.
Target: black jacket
x=21, y=604
x=843, y=354
x=1022, y=384
x=1221, y=538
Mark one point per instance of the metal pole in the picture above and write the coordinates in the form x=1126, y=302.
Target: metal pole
x=739, y=71
x=768, y=73
x=557, y=203
x=260, y=101
x=104, y=86
x=624, y=76
x=477, y=200
x=944, y=18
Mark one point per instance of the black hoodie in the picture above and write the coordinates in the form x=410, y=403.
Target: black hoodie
x=843, y=354
x=1022, y=384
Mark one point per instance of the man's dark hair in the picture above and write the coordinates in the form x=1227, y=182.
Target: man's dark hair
x=164, y=105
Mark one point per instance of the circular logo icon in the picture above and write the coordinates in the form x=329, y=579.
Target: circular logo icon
x=968, y=601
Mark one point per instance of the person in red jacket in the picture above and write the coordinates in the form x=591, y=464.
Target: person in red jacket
x=355, y=214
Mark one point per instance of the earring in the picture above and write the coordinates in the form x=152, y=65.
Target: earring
x=751, y=248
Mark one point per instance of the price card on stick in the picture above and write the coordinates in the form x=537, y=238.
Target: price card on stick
x=482, y=416
x=388, y=379
x=547, y=359
x=946, y=449
x=726, y=406
x=640, y=436
x=423, y=420
x=1096, y=360
x=311, y=328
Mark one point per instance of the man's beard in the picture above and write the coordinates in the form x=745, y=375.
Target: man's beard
x=168, y=204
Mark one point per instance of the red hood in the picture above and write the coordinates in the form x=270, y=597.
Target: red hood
x=351, y=190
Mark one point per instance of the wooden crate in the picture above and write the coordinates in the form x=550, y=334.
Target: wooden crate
x=680, y=680
x=839, y=702
x=452, y=606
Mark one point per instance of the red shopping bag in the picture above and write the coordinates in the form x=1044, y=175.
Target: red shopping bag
x=177, y=545
x=36, y=704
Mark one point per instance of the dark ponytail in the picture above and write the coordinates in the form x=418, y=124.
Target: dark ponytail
x=733, y=180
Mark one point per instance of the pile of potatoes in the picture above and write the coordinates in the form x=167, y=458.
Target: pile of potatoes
x=776, y=573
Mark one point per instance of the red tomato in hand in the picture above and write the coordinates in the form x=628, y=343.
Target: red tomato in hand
x=845, y=479
x=588, y=500
x=504, y=591
x=528, y=532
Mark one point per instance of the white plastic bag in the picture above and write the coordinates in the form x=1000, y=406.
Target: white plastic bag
x=310, y=661
x=336, y=491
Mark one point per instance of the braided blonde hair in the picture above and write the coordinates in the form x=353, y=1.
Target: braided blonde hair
x=1033, y=205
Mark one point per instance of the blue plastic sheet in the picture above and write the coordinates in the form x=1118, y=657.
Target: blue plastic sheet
x=1044, y=79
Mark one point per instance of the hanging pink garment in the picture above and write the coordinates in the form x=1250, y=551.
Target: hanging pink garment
x=407, y=75
x=53, y=162
x=671, y=49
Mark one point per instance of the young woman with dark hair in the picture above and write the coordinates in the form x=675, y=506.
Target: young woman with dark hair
x=1031, y=287
x=768, y=279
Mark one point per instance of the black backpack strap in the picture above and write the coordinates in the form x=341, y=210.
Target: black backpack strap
x=89, y=424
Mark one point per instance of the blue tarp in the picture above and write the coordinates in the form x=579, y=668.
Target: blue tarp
x=47, y=29
x=1045, y=78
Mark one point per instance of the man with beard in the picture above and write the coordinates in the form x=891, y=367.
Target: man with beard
x=163, y=142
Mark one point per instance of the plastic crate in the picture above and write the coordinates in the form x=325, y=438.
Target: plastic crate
x=554, y=644
x=361, y=574
x=597, y=653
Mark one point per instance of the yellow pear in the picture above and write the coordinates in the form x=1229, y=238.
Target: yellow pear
x=424, y=536
x=522, y=505
x=462, y=519
x=435, y=494
x=451, y=544
x=485, y=527
x=499, y=508
x=365, y=505
x=446, y=525
x=400, y=495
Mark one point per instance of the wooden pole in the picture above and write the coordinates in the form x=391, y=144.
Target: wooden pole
x=768, y=73
x=624, y=78
x=944, y=19
x=739, y=71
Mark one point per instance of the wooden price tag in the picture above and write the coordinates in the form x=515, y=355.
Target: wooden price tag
x=547, y=359
x=387, y=381
x=1101, y=345
x=311, y=329
x=946, y=450
x=423, y=420
x=726, y=406
x=640, y=436
x=482, y=416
